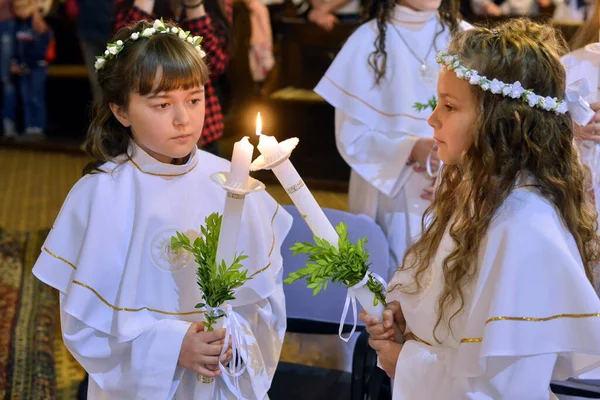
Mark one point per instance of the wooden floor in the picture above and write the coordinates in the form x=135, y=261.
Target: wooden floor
x=34, y=184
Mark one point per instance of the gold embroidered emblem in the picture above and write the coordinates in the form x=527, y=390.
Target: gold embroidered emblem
x=164, y=257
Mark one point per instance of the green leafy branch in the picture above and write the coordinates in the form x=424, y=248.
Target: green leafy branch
x=347, y=264
x=432, y=103
x=217, y=282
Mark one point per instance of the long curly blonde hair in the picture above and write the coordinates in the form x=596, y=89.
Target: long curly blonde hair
x=511, y=138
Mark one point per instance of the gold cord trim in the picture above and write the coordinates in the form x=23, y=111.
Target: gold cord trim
x=472, y=340
x=418, y=339
x=163, y=175
x=530, y=319
x=272, y=244
x=370, y=106
x=544, y=319
x=133, y=309
x=59, y=258
x=154, y=309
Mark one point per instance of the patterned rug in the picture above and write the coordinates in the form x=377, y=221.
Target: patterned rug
x=34, y=364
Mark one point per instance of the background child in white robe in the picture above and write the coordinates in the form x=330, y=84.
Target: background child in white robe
x=378, y=131
x=496, y=295
x=127, y=299
x=579, y=64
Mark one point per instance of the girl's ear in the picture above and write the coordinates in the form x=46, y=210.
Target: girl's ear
x=120, y=114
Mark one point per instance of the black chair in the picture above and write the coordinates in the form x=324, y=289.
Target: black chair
x=581, y=388
x=369, y=382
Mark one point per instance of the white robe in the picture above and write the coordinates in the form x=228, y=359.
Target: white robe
x=376, y=127
x=530, y=316
x=127, y=300
x=584, y=64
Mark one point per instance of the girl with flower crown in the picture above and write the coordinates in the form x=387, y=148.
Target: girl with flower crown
x=495, y=297
x=210, y=19
x=384, y=68
x=127, y=297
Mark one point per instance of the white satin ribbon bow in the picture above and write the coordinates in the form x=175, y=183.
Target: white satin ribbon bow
x=351, y=298
x=239, y=351
x=580, y=110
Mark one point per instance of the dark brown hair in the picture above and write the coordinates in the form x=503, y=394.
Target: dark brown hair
x=511, y=140
x=382, y=11
x=135, y=70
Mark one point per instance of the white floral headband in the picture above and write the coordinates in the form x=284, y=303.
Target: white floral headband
x=112, y=49
x=513, y=90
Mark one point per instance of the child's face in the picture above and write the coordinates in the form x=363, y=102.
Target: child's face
x=421, y=5
x=166, y=125
x=454, y=118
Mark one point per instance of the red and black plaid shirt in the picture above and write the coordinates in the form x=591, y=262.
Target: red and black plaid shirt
x=214, y=43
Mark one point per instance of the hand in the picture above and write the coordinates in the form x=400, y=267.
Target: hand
x=492, y=9
x=434, y=163
x=224, y=359
x=16, y=69
x=145, y=5
x=23, y=9
x=388, y=353
x=592, y=130
x=198, y=350
x=420, y=152
x=325, y=21
x=393, y=323
x=39, y=23
x=428, y=192
x=393, y=315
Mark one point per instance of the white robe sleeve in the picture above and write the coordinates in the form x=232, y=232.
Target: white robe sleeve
x=378, y=157
x=514, y=378
x=142, y=368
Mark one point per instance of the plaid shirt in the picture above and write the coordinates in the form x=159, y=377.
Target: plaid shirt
x=217, y=57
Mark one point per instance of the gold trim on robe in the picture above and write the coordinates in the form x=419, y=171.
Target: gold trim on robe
x=102, y=299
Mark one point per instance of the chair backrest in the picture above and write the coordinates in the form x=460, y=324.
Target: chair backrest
x=327, y=306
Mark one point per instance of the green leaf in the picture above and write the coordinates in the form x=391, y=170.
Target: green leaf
x=217, y=282
x=346, y=264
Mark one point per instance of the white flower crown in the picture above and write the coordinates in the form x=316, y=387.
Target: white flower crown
x=512, y=90
x=113, y=49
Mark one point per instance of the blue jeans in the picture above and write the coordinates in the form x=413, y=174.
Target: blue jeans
x=33, y=96
x=7, y=54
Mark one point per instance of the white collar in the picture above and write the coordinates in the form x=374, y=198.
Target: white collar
x=411, y=19
x=147, y=164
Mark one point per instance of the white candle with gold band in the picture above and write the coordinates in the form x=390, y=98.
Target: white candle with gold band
x=296, y=189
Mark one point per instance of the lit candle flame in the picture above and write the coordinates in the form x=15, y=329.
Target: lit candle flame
x=258, y=124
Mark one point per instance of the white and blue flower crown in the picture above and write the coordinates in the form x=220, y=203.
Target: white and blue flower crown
x=113, y=49
x=512, y=90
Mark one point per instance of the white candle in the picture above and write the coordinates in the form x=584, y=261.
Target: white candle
x=298, y=192
x=234, y=203
x=267, y=145
x=240, y=162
